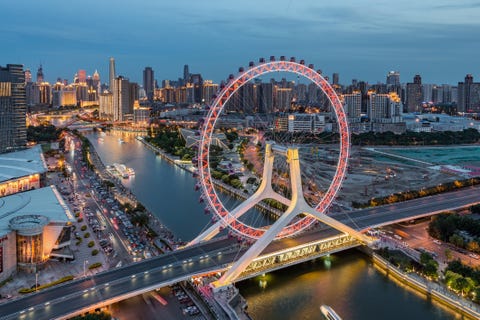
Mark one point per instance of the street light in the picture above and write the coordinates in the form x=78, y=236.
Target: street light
x=84, y=269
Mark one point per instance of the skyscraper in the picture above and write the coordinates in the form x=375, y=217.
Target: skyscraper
x=121, y=98
x=414, y=95
x=40, y=78
x=13, y=132
x=148, y=82
x=186, y=74
x=111, y=74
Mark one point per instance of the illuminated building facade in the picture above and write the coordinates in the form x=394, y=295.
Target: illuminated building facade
x=13, y=131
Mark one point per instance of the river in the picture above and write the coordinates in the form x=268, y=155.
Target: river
x=347, y=281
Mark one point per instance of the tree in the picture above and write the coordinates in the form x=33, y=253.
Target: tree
x=431, y=269
x=448, y=254
x=456, y=240
x=473, y=246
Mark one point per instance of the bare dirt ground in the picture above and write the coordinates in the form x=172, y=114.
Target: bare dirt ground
x=370, y=174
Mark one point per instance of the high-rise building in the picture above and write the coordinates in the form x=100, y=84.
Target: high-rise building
x=197, y=82
x=393, y=78
x=28, y=76
x=106, y=105
x=186, y=74
x=468, y=95
x=82, y=76
x=385, y=108
x=121, y=98
x=13, y=131
x=111, y=74
x=427, y=92
x=148, y=82
x=353, y=105
x=40, y=77
x=335, y=79
x=414, y=95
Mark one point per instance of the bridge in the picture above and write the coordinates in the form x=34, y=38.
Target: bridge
x=216, y=255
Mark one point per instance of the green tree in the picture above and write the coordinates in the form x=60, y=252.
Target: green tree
x=456, y=240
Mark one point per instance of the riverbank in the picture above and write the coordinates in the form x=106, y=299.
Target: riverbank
x=430, y=289
x=123, y=195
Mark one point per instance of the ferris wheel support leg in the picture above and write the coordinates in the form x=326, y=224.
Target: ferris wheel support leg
x=264, y=191
x=295, y=208
x=257, y=248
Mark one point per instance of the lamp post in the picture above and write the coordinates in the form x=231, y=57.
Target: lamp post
x=84, y=267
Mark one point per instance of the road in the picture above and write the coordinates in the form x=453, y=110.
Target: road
x=117, y=284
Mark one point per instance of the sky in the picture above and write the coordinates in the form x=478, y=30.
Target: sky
x=438, y=39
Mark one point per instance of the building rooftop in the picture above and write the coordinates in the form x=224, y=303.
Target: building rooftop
x=46, y=202
x=21, y=163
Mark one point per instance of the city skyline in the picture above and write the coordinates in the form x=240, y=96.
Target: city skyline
x=214, y=39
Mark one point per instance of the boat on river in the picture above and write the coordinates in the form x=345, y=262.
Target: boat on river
x=329, y=313
x=121, y=170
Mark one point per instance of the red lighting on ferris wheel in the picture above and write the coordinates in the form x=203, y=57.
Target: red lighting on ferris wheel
x=216, y=107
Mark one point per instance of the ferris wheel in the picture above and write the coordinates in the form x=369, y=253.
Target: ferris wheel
x=231, y=217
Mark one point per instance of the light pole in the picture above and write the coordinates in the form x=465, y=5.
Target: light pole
x=84, y=267
x=36, y=278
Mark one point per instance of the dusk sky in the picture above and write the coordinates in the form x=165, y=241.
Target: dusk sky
x=440, y=40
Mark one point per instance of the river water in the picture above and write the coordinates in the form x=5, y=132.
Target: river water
x=346, y=281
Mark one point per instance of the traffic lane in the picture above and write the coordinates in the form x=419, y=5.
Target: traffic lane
x=464, y=196
x=112, y=275
x=152, y=279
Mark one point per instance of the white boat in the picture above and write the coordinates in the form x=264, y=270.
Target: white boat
x=121, y=140
x=329, y=313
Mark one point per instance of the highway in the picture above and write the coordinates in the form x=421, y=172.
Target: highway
x=117, y=284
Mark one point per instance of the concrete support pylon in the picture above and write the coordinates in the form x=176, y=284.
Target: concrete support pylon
x=264, y=191
x=298, y=205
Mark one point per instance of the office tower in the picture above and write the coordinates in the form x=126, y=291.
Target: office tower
x=197, y=82
x=13, y=131
x=111, y=74
x=186, y=74
x=148, y=82
x=353, y=105
x=40, y=78
x=121, y=98
x=414, y=95
x=335, y=79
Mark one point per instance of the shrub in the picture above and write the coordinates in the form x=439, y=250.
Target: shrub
x=95, y=265
x=86, y=235
x=83, y=228
x=91, y=244
x=94, y=252
x=77, y=214
x=47, y=285
x=80, y=220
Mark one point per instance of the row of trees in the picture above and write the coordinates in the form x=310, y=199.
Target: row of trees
x=428, y=266
x=408, y=138
x=414, y=194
